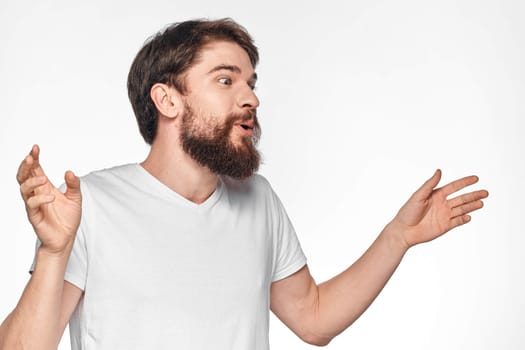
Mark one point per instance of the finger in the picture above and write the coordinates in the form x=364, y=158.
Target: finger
x=30, y=185
x=36, y=169
x=459, y=220
x=426, y=190
x=457, y=185
x=37, y=201
x=24, y=170
x=466, y=208
x=467, y=198
x=72, y=185
x=28, y=165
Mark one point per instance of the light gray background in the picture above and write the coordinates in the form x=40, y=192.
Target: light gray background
x=361, y=102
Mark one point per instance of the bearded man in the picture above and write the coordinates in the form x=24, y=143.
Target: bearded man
x=191, y=249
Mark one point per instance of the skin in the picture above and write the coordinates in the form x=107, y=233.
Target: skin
x=47, y=302
x=219, y=84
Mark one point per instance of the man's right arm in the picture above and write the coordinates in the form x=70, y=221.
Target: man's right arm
x=47, y=302
x=46, y=305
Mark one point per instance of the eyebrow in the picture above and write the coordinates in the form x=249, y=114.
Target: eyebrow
x=231, y=68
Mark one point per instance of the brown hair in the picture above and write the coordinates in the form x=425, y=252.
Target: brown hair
x=166, y=56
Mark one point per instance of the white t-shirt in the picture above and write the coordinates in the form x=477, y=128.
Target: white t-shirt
x=161, y=272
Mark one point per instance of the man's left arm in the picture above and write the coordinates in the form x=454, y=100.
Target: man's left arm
x=317, y=313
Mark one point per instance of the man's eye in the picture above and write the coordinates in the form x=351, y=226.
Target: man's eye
x=225, y=81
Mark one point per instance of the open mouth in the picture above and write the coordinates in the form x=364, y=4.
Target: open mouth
x=246, y=127
x=246, y=124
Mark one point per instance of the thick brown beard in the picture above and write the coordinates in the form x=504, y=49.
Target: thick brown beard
x=214, y=149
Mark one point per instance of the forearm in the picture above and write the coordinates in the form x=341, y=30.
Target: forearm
x=342, y=299
x=34, y=323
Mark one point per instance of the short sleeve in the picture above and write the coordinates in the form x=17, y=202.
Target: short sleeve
x=76, y=270
x=288, y=254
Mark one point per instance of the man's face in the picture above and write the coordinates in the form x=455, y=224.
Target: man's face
x=219, y=127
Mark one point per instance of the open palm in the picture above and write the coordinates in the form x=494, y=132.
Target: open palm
x=428, y=214
x=55, y=216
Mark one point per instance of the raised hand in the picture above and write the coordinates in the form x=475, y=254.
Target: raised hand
x=429, y=214
x=55, y=216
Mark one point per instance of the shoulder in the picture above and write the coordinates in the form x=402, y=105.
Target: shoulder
x=109, y=178
x=108, y=174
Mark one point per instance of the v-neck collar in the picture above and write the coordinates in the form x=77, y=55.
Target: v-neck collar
x=167, y=193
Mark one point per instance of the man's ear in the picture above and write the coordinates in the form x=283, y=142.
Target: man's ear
x=167, y=100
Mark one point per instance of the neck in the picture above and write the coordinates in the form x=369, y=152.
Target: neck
x=178, y=171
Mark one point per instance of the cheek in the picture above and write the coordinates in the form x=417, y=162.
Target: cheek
x=215, y=101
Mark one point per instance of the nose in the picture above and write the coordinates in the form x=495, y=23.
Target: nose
x=247, y=99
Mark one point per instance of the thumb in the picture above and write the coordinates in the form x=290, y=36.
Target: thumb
x=426, y=190
x=72, y=185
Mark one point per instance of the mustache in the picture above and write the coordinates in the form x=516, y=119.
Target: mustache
x=242, y=117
